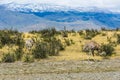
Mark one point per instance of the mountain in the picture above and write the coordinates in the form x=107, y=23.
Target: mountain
x=26, y=17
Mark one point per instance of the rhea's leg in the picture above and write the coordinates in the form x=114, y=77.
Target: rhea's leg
x=93, y=55
x=92, y=52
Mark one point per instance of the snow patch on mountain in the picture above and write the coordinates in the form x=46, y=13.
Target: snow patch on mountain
x=50, y=8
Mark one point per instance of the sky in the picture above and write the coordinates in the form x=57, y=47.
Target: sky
x=113, y=5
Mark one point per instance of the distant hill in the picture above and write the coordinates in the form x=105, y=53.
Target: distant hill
x=31, y=18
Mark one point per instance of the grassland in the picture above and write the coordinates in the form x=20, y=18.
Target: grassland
x=74, y=52
x=71, y=63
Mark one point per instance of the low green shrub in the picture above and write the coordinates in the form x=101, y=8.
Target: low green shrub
x=118, y=38
x=18, y=54
x=61, y=46
x=27, y=58
x=65, y=34
x=108, y=49
x=103, y=34
x=67, y=42
x=41, y=50
x=81, y=32
x=87, y=37
x=72, y=42
x=8, y=57
x=89, y=34
x=54, y=47
x=50, y=32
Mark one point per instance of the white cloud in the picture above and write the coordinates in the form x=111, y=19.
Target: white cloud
x=106, y=4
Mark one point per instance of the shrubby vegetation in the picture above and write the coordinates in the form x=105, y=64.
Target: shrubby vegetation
x=8, y=57
x=27, y=58
x=89, y=34
x=108, y=49
x=10, y=37
x=41, y=50
x=118, y=38
x=46, y=43
x=81, y=32
x=19, y=53
x=103, y=34
x=69, y=42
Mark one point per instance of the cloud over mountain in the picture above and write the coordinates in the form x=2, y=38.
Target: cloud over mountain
x=111, y=5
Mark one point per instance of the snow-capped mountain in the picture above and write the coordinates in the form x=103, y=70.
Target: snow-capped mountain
x=25, y=17
x=36, y=7
x=50, y=8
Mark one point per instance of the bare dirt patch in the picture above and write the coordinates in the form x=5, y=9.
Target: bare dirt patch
x=61, y=70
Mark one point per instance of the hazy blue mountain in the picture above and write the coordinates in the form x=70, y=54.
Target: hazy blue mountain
x=26, y=17
x=9, y=19
x=108, y=19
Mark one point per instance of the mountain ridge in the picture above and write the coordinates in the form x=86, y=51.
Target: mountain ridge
x=25, y=19
x=51, y=8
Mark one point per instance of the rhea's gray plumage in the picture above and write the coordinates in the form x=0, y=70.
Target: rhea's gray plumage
x=91, y=47
x=29, y=43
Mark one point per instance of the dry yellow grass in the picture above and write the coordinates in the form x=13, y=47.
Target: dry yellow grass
x=74, y=52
